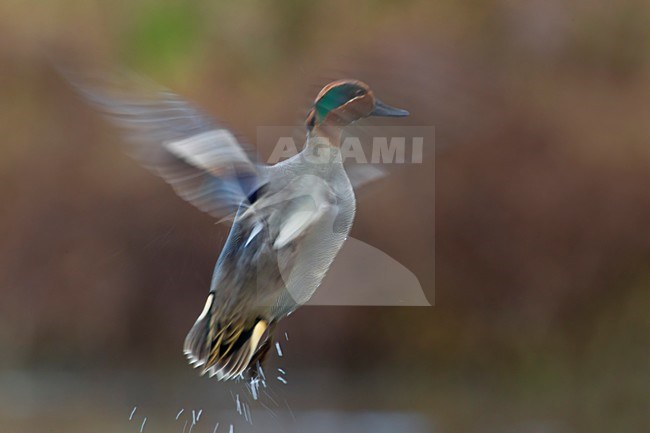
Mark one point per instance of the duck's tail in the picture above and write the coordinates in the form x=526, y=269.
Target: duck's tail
x=226, y=347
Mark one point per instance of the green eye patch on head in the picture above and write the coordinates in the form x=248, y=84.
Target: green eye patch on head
x=335, y=97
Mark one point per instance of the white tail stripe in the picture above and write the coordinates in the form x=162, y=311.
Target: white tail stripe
x=206, y=309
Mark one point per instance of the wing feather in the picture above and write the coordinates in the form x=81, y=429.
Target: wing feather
x=203, y=161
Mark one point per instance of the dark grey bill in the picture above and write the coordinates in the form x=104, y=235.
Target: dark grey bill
x=382, y=109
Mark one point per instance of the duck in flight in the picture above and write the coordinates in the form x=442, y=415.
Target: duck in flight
x=289, y=220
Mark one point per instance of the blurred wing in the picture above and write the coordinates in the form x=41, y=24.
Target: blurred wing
x=201, y=160
x=362, y=174
x=292, y=211
x=304, y=213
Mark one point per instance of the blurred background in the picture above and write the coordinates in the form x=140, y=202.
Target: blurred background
x=540, y=229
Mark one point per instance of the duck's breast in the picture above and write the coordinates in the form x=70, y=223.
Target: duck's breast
x=304, y=267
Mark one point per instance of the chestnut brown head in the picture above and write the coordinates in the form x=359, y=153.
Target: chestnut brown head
x=345, y=101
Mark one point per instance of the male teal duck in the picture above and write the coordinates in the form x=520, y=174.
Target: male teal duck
x=289, y=219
